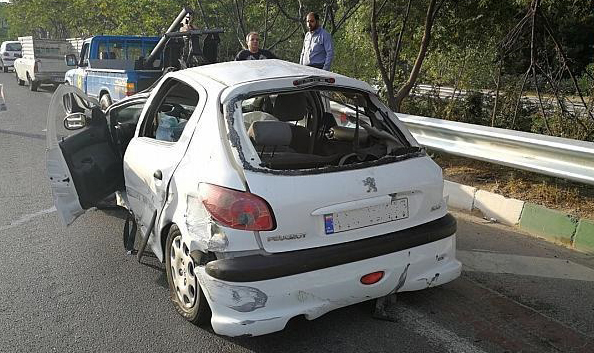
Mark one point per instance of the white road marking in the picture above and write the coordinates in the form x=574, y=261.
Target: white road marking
x=524, y=265
x=437, y=335
x=28, y=217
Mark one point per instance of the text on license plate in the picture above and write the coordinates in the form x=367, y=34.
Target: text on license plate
x=367, y=216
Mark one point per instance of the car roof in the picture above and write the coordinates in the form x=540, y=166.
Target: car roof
x=233, y=73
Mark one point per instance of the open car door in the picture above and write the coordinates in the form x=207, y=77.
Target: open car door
x=83, y=164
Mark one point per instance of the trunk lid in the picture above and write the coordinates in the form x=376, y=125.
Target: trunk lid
x=326, y=208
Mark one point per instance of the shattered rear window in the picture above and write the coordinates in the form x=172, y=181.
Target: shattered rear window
x=321, y=128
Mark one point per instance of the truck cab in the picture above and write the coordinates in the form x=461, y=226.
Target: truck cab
x=106, y=67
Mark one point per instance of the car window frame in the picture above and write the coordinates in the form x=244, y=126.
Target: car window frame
x=150, y=111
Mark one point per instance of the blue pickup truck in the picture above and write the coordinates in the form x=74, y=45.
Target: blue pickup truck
x=107, y=67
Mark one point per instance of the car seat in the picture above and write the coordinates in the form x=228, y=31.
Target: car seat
x=292, y=107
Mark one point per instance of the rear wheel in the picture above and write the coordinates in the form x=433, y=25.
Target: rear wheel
x=4, y=68
x=33, y=85
x=184, y=288
x=105, y=101
x=18, y=80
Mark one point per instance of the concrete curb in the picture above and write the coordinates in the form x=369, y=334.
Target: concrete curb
x=551, y=225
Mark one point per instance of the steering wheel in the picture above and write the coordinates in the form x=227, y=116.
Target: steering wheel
x=354, y=157
x=175, y=109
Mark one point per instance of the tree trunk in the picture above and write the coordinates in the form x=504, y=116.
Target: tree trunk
x=414, y=74
x=496, y=94
x=388, y=81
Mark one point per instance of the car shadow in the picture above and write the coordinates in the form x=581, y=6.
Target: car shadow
x=151, y=260
x=48, y=88
x=113, y=211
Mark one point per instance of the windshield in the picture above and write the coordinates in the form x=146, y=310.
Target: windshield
x=13, y=46
x=320, y=128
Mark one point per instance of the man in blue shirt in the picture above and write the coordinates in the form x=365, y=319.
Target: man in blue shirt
x=318, y=49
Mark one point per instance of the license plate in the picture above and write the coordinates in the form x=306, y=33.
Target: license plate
x=365, y=217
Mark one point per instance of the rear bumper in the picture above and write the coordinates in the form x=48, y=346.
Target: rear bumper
x=8, y=62
x=259, y=267
x=261, y=307
x=49, y=77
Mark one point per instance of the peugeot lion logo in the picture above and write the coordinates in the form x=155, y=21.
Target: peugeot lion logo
x=370, y=183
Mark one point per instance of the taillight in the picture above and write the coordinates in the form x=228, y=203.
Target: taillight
x=372, y=278
x=130, y=88
x=6, y=54
x=236, y=209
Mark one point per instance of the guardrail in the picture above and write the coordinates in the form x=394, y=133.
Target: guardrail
x=550, y=102
x=554, y=156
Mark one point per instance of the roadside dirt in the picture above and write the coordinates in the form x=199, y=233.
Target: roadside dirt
x=554, y=193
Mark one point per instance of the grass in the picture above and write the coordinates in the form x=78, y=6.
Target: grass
x=570, y=197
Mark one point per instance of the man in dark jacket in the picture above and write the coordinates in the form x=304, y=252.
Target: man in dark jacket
x=253, y=52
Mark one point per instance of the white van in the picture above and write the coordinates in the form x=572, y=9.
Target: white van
x=9, y=51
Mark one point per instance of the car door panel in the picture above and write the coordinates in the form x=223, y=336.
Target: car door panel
x=143, y=158
x=83, y=165
x=149, y=163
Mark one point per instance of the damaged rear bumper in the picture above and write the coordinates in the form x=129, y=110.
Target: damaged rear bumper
x=258, y=307
x=259, y=267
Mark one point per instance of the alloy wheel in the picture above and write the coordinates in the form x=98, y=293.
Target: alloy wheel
x=182, y=273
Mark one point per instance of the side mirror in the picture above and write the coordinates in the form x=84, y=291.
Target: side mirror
x=75, y=121
x=70, y=59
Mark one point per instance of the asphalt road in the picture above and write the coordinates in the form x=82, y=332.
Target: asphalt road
x=74, y=289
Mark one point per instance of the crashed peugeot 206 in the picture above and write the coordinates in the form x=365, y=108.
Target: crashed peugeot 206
x=270, y=190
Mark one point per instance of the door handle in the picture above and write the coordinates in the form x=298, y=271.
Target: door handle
x=158, y=174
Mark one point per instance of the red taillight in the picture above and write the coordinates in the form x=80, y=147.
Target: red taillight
x=372, y=278
x=236, y=209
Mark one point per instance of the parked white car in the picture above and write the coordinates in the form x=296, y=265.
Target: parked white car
x=9, y=51
x=261, y=205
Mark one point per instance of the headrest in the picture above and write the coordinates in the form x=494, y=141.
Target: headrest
x=270, y=133
x=250, y=117
x=262, y=103
x=290, y=107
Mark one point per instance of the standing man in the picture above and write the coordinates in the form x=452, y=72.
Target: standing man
x=187, y=23
x=253, y=52
x=318, y=49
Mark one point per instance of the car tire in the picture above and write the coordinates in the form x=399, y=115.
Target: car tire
x=184, y=289
x=33, y=85
x=19, y=81
x=105, y=101
x=4, y=68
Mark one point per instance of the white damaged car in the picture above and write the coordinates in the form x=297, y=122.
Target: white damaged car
x=269, y=189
